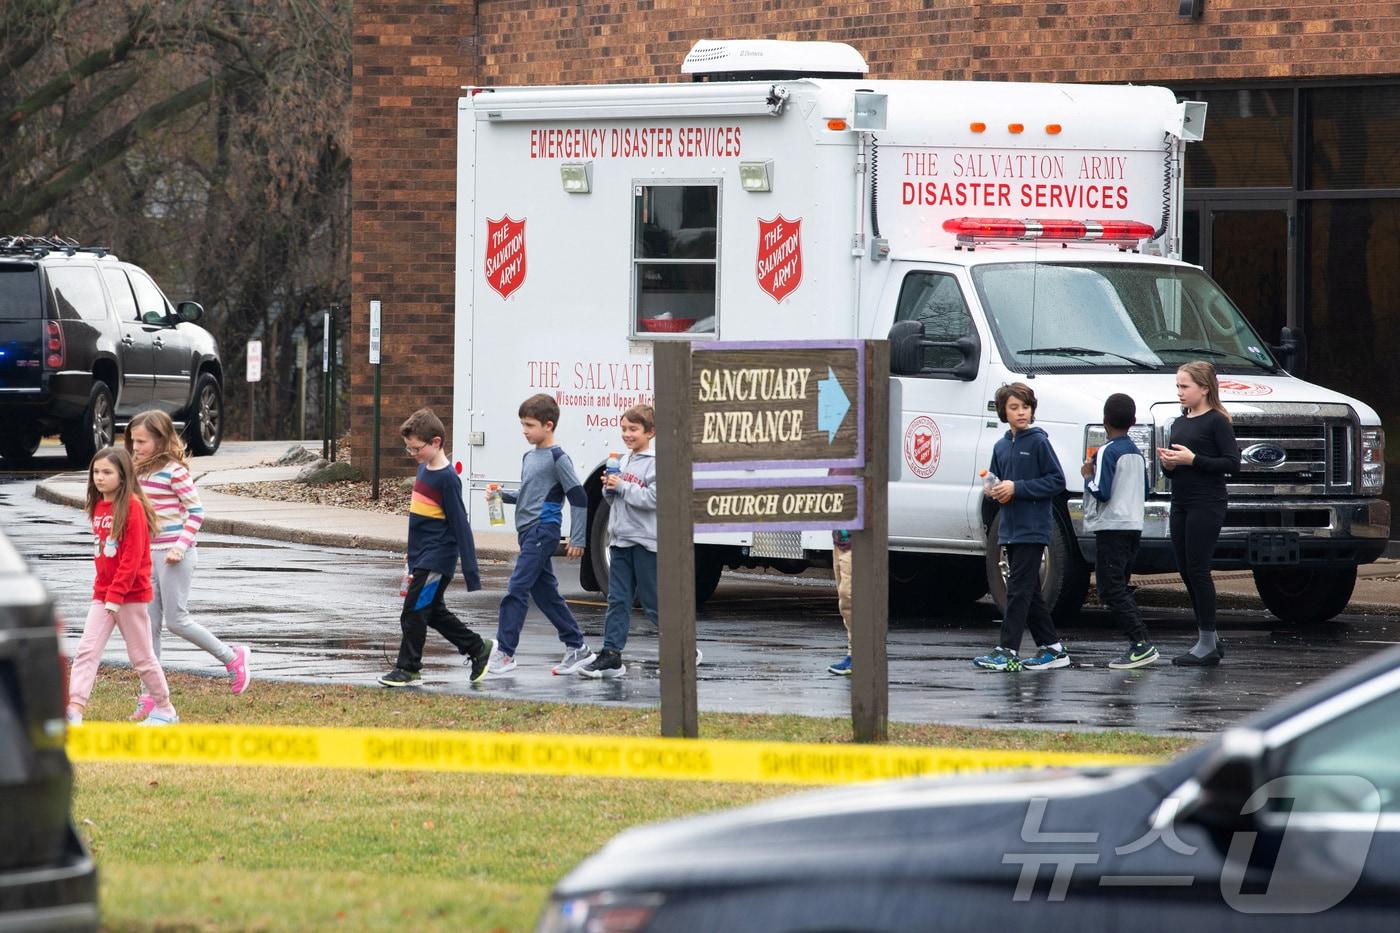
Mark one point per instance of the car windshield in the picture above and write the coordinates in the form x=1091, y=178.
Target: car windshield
x=1060, y=316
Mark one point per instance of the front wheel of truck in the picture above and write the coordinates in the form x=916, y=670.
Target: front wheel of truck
x=1303, y=596
x=709, y=560
x=1064, y=577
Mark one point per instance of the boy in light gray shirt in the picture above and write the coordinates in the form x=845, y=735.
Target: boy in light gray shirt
x=1115, y=486
x=631, y=495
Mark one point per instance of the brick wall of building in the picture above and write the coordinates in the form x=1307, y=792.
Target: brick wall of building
x=410, y=59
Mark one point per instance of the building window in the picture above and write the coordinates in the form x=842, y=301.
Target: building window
x=1353, y=137
x=675, y=264
x=1248, y=141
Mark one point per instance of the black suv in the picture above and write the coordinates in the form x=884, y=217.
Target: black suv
x=47, y=878
x=88, y=341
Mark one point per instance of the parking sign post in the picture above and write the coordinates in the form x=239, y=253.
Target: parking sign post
x=254, y=377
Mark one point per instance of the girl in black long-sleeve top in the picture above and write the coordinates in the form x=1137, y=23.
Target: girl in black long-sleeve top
x=1203, y=451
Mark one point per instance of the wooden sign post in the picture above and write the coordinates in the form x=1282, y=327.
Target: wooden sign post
x=774, y=408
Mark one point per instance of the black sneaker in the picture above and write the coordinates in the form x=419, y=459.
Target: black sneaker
x=607, y=665
x=399, y=677
x=482, y=658
x=1139, y=654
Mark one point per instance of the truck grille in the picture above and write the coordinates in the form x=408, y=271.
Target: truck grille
x=1290, y=449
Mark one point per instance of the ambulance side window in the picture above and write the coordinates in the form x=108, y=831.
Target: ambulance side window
x=935, y=299
x=674, y=259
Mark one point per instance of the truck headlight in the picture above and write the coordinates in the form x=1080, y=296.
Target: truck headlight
x=1140, y=434
x=605, y=912
x=1372, y=459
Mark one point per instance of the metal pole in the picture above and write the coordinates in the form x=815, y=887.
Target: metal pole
x=374, y=331
x=335, y=376
x=675, y=539
x=374, y=486
x=326, y=386
x=301, y=387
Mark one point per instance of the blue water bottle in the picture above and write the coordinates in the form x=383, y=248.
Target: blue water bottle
x=613, y=468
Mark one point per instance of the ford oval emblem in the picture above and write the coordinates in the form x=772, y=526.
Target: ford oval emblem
x=1269, y=455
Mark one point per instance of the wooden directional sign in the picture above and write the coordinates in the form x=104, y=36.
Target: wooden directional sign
x=778, y=404
x=780, y=504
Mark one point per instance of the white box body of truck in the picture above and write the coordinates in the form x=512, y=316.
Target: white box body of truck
x=1030, y=229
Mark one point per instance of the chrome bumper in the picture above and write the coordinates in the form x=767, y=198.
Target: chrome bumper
x=1337, y=520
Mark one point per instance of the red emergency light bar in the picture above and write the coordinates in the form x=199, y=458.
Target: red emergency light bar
x=983, y=229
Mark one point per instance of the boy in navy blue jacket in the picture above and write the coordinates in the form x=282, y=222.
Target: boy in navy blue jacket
x=1028, y=480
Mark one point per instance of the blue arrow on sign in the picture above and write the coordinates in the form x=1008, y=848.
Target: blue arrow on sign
x=832, y=405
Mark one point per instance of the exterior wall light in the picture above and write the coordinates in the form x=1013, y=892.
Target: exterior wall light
x=577, y=177
x=756, y=176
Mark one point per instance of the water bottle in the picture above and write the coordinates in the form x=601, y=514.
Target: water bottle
x=989, y=479
x=405, y=581
x=495, y=504
x=613, y=468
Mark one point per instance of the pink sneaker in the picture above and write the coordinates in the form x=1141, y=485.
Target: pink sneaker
x=238, y=670
x=144, y=704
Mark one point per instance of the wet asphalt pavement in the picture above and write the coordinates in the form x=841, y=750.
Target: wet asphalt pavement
x=330, y=614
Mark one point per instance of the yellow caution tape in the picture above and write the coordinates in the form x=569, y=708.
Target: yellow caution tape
x=536, y=753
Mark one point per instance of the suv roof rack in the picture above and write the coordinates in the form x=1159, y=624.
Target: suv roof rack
x=38, y=246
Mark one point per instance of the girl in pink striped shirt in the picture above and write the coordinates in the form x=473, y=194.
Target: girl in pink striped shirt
x=165, y=478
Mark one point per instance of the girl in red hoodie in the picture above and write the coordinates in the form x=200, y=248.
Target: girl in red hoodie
x=121, y=537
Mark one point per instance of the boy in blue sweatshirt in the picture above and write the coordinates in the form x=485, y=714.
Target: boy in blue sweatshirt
x=547, y=479
x=1028, y=480
x=1115, y=486
x=438, y=533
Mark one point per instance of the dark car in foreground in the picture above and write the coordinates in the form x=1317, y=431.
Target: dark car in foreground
x=1289, y=822
x=88, y=341
x=47, y=879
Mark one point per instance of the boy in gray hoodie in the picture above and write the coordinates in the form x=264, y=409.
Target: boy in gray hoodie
x=631, y=495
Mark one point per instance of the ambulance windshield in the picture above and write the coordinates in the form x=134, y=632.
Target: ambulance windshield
x=1061, y=316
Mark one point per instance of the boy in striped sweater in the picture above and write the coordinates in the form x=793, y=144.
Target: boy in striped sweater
x=159, y=453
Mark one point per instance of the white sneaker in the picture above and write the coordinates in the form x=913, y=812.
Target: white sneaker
x=500, y=663
x=73, y=718
x=575, y=660
x=699, y=656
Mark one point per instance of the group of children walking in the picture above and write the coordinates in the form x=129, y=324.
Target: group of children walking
x=145, y=512
x=438, y=533
x=1202, y=453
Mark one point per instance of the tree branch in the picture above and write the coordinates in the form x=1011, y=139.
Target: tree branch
x=17, y=214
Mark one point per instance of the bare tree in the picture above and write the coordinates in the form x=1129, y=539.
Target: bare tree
x=206, y=140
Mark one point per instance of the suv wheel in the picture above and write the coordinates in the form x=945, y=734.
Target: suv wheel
x=206, y=418
x=18, y=443
x=94, y=430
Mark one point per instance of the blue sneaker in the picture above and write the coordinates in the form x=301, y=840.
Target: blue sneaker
x=999, y=660
x=841, y=667
x=1046, y=660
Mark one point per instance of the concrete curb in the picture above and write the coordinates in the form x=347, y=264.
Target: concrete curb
x=49, y=492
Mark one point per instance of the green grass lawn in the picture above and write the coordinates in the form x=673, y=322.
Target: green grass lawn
x=202, y=848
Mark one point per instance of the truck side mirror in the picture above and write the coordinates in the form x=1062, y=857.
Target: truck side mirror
x=1290, y=348
x=907, y=346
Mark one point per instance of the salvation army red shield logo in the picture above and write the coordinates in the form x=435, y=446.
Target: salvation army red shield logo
x=923, y=446
x=1236, y=387
x=779, y=256
x=505, y=254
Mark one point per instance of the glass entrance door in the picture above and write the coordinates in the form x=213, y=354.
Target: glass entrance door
x=1246, y=246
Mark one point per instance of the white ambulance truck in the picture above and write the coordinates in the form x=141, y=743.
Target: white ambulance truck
x=993, y=232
